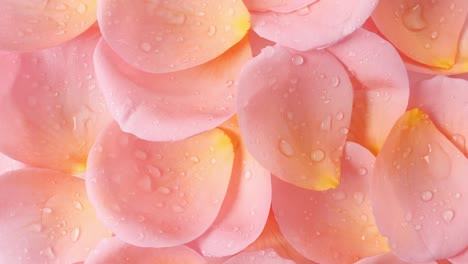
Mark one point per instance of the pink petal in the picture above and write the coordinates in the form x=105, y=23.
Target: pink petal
x=388, y=258
x=325, y=22
x=418, y=191
x=45, y=217
x=31, y=25
x=277, y=5
x=444, y=100
x=51, y=107
x=381, y=87
x=460, y=258
x=171, y=106
x=257, y=43
x=428, y=32
x=268, y=256
x=158, y=194
x=335, y=226
x=9, y=164
x=166, y=36
x=294, y=112
x=115, y=251
x=245, y=208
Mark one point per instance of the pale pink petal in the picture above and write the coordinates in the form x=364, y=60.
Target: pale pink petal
x=246, y=205
x=381, y=87
x=45, y=217
x=39, y=24
x=418, y=192
x=170, y=106
x=388, y=258
x=52, y=110
x=444, y=99
x=158, y=194
x=336, y=226
x=9, y=164
x=277, y=5
x=317, y=25
x=268, y=256
x=294, y=115
x=166, y=36
x=115, y=251
x=429, y=32
x=460, y=258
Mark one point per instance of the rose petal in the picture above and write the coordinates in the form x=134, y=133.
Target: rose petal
x=381, y=87
x=8, y=164
x=428, y=32
x=32, y=25
x=336, y=226
x=294, y=111
x=45, y=217
x=317, y=20
x=166, y=36
x=444, y=100
x=171, y=106
x=268, y=256
x=277, y=5
x=418, y=192
x=257, y=43
x=113, y=250
x=158, y=194
x=460, y=258
x=249, y=194
x=51, y=108
x=386, y=259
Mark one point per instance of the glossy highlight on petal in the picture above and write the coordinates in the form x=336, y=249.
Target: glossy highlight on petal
x=166, y=36
x=294, y=111
x=158, y=194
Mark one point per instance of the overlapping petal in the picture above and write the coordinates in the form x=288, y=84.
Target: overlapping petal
x=113, y=250
x=245, y=208
x=8, y=164
x=380, y=85
x=277, y=5
x=171, y=106
x=268, y=256
x=314, y=26
x=294, y=111
x=158, y=194
x=432, y=33
x=418, y=191
x=444, y=100
x=336, y=226
x=166, y=36
x=387, y=259
x=33, y=25
x=45, y=217
x=52, y=109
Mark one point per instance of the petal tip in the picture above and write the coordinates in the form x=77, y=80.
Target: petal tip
x=414, y=117
x=327, y=182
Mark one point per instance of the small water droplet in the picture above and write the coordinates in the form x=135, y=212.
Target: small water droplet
x=418, y=227
x=78, y=206
x=248, y=175
x=81, y=8
x=195, y=159
x=164, y=190
x=178, y=209
x=297, y=60
x=141, y=155
x=338, y=196
x=426, y=196
x=339, y=116
x=317, y=155
x=326, y=123
x=458, y=196
x=359, y=197
x=46, y=210
x=286, y=148
x=335, y=81
x=413, y=18
x=362, y=171
x=211, y=30
x=145, y=46
x=448, y=215
x=75, y=234
x=434, y=35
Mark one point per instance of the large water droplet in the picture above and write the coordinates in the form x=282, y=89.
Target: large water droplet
x=285, y=148
x=426, y=196
x=448, y=215
x=317, y=155
x=413, y=18
x=297, y=60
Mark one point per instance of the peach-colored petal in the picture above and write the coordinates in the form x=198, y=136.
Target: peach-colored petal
x=45, y=217
x=268, y=256
x=336, y=226
x=30, y=25
x=170, y=106
x=294, y=111
x=428, y=32
x=388, y=258
x=52, y=110
x=166, y=36
x=317, y=25
x=444, y=99
x=158, y=194
x=115, y=251
x=277, y=5
x=418, y=192
x=381, y=88
x=245, y=207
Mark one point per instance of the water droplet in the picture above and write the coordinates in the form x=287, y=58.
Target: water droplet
x=317, y=155
x=362, y=171
x=78, y=206
x=211, y=30
x=164, y=190
x=413, y=18
x=359, y=197
x=286, y=148
x=418, y=227
x=339, y=116
x=434, y=35
x=297, y=60
x=81, y=8
x=326, y=123
x=46, y=210
x=195, y=159
x=75, y=234
x=178, y=209
x=448, y=215
x=248, y=175
x=335, y=81
x=338, y=196
x=145, y=46
x=141, y=155
x=426, y=196
x=458, y=196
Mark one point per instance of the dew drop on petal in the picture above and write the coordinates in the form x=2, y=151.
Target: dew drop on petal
x=413, y=18
x=297, y=60
x=426, y=196
x=317, y=155
x=448, y=215
x=285, y=148
x=75, y=234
